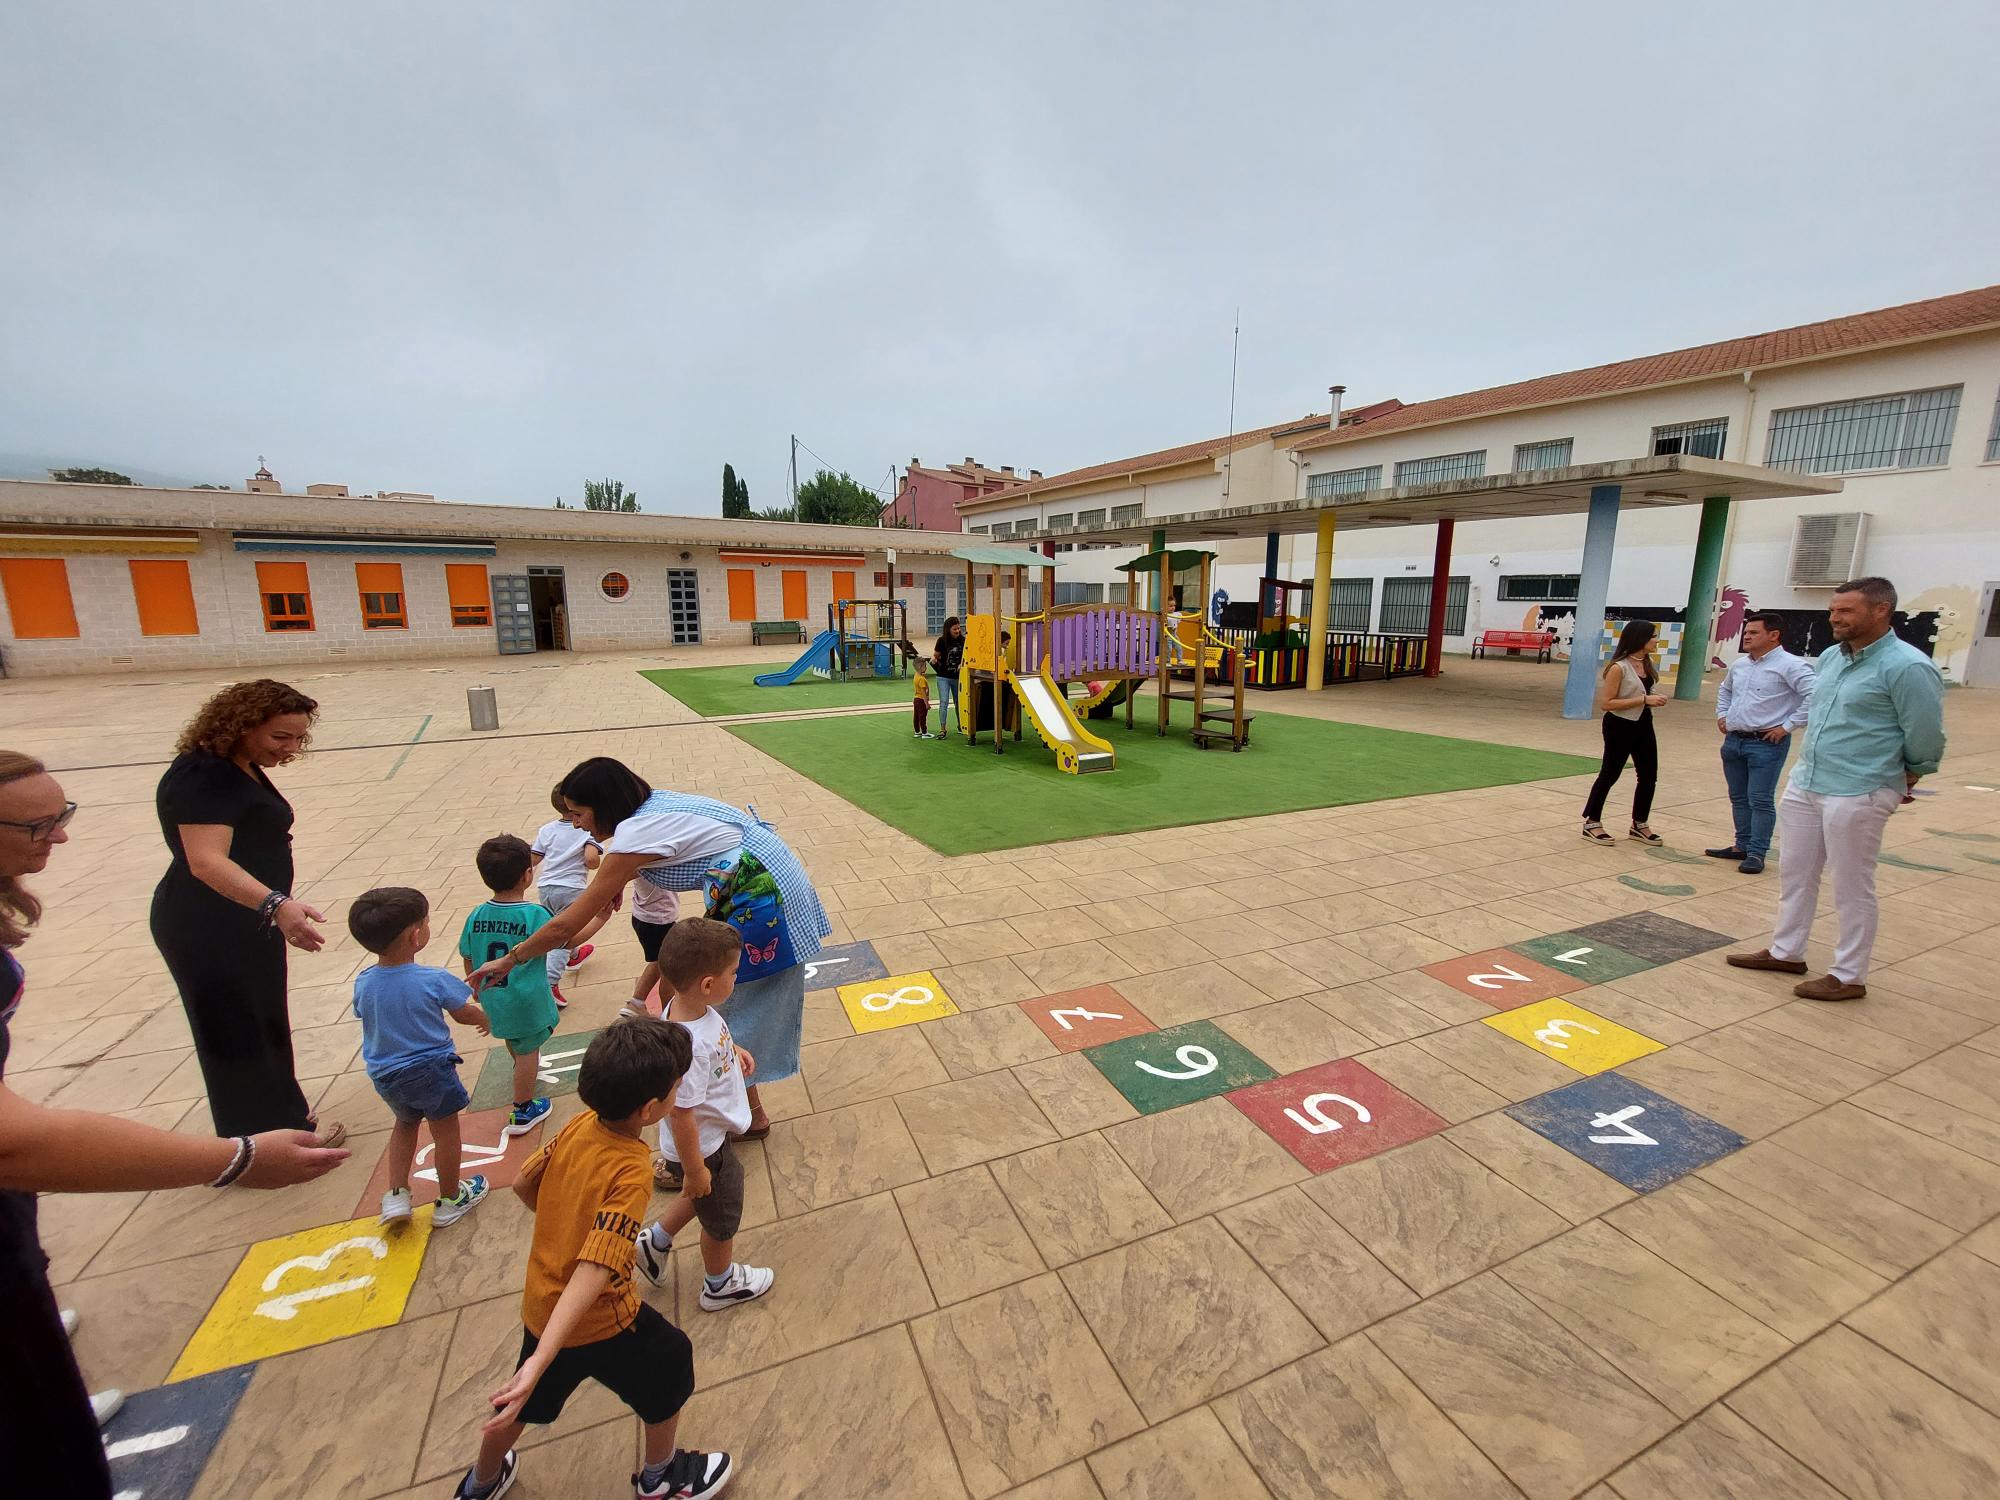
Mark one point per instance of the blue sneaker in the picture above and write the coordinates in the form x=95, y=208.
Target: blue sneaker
x=458, y=1205
x=525, y=1117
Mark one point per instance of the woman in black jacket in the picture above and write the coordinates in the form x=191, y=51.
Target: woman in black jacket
x=946, y=657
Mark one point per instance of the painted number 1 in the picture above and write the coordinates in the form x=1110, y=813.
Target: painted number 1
x=1195, y=1060
x=1619, y=1121
x=1310, y=1118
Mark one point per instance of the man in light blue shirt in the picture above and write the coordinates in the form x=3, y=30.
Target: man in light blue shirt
x=1875, y=725
x=1759, y=706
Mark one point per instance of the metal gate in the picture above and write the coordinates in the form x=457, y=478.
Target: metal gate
x=513, y=614
x=684, y=606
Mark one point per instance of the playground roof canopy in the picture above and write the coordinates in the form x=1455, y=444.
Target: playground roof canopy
x=1670, y=479
x=1005, y=557
x=1179, y=559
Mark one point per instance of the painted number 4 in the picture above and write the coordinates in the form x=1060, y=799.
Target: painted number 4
x=1620, y=1122
x=1312, y=1119
x=1196, y=1061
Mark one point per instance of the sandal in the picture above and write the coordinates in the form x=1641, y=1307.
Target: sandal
x=1643, y=834
x=1596, y=834
x=754, y=1133
x=666, y=1175
x=334, y=1135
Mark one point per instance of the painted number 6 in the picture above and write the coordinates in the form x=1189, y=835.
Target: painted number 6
x=1310, y=1118
x=1196, y=1060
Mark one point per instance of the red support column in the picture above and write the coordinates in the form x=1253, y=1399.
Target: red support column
x=1440, y=585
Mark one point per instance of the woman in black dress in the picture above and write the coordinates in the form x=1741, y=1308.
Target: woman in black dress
x=224, y=911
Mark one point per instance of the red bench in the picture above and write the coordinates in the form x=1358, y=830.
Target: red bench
x=1514, y=642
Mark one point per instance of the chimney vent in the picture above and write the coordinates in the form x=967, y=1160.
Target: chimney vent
x=1006, y=468
x=1034, y=473
x=1335, y=392
x=971, y=462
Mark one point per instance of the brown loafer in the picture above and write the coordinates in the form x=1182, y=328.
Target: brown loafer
x=1762, y=959
x=754, y=1133
x=1829, y=988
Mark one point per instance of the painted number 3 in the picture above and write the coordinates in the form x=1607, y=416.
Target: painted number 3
x=1194, y=1061
x=910, y=994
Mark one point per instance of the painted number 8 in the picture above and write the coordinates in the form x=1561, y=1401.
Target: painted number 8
x=909, y=994
x=1195, y=1060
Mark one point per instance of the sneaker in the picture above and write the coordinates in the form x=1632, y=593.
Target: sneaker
x=691, y=1475
x=650, y=1255
x=523, y=1118
x=451, y=1210
x=562, y=1000
x=578, y=955
x=467, y=1490
x=105, y=1405
x=69, y=1322
x=745, y=1284
x=396, y=1206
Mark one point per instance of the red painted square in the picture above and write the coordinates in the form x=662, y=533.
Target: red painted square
x=484, y=1150
x=1503, y=978
x=1317, y=1114
x=1076, y=1019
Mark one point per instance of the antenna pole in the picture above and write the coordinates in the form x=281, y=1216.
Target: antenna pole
x=1229, y=451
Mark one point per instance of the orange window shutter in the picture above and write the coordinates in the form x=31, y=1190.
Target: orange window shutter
x=286, y=589
x=165, y=596
x=471, y=598
x=843, y=585
x=38, y=598
x=742, y=594
x=381, y=587
x=795, y=593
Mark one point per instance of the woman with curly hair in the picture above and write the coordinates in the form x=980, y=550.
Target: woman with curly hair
x=224, y=911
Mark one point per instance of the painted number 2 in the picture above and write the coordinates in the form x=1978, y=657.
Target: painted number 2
x=1196, y=1061
x=1310, y=1118
x=1501, y=975
x=1619, y=1121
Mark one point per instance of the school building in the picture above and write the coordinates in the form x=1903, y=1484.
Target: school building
x=105, y=578
x=1902, y=405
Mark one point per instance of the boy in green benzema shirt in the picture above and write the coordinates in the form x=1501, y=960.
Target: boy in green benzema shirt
x=521, y=1007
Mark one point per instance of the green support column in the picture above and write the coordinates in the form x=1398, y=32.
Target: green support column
x=1159, y=598
x=1701, y=596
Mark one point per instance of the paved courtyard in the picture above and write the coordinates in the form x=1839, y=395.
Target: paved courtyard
x=1413, y=1148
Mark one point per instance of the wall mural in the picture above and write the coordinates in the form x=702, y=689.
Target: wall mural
x=1941, y=627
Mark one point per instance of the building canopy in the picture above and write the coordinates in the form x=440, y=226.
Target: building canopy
x=1005, y=557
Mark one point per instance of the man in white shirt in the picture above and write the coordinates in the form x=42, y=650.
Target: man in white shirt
x=1761, y=702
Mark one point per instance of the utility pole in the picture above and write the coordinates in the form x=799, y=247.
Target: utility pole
x=795, y=476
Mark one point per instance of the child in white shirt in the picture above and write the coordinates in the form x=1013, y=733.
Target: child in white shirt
x=698, y=961
x=564, y=856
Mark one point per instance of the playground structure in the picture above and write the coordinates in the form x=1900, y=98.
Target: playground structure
x=1112, y=648
x=863, y=639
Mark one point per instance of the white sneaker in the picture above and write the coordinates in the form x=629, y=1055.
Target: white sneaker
x=395, y=1206
x=106, y=1405
x=69, y=1321
x=650, y=1255
x=745, y=1284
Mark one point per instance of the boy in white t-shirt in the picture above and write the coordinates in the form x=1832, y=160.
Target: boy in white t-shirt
x=698, y=962
x=564, y=856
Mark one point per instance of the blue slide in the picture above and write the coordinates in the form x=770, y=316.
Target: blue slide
x=818, y=660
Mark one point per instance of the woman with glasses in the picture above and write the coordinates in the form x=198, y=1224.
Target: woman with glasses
x=224, y=911
x=48, y=1430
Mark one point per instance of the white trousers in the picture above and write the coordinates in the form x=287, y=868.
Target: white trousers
x=1815, y=831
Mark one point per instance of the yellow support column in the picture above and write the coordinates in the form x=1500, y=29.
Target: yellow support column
x=1322, y=587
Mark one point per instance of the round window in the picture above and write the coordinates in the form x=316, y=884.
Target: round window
x=615, y=585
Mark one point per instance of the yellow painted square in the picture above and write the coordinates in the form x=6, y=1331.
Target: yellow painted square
x=1573, y=1036
x=306, y=1288
x=878, y=1004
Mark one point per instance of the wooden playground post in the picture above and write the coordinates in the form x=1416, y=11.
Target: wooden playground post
x=1165, y=650
x=998, y=748
x=1014, y=654
x=1201, y=640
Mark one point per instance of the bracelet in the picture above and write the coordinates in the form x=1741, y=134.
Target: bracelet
x=267, y=910
x=246, y=1153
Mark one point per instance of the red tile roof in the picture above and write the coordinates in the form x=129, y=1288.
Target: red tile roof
x=1932, y=318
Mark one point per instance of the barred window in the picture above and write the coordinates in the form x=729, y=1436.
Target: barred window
x=1002, y=530
x=1907, y=431
x=1127, y=515
x=1344, y=482
x=933, y=603
x=1702, y=439
x=1438, y=470
x=1349, y=603
x=1406, y=605
x=1024, y=528
x=1061, y=522
x=1089, y=520
x=1553, y=454
x=1539, y=588
x=1993, y=437
x=979, y=531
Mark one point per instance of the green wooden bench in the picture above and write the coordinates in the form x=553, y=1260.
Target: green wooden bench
x=776, y=630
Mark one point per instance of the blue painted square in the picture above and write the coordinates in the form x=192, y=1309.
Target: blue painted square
x=160, y=1440
x=1624, y=1129
x=844, y=963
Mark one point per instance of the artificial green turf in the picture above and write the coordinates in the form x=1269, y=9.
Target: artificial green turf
x=961, y=799
x=717, y=692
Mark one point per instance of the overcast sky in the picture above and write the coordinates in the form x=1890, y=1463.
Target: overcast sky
x=491, y=250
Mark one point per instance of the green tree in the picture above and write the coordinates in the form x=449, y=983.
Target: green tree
x=735, y=494
x=831, y=499
x=775, y=513
x=211, y=486
x=608, y=494
x=88, y=476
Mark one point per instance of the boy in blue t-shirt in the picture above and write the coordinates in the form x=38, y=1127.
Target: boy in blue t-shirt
x=521, y=1007
x=408, y=1050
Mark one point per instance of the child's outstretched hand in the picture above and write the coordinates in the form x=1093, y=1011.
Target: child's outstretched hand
x=473, y=1014
x=745, y=1061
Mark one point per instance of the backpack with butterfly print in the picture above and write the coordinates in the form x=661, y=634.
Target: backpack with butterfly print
x=743, y=893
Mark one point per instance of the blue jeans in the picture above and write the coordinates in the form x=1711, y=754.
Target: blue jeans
x=947, y=697
x=1751, y=765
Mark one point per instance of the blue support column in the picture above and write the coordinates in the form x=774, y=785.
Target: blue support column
x=1593, y=593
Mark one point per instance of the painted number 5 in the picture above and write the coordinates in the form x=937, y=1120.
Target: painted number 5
x=1310, y=1118
x=1195, y=1060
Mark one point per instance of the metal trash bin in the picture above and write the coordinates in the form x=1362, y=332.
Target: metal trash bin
x=483, y=707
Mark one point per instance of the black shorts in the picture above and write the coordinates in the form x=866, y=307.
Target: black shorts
x=650, y=1367
x=720, y=1213
x=651, y=935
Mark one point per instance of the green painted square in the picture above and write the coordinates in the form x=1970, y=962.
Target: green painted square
x=1589, y=959
x=562, y=1056
x=1178, y=1066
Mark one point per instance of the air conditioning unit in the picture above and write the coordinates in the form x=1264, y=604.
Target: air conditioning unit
x=1826, y=550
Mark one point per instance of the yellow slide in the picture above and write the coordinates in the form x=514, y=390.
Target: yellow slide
x=1077, y=750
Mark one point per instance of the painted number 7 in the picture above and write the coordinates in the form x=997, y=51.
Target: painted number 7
x=1195, y=1060
x=1310, y=1118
